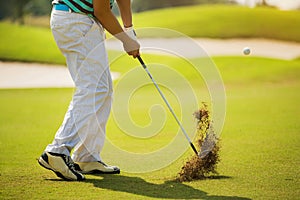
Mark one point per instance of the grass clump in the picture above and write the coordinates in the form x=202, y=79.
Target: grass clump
x=204, y=165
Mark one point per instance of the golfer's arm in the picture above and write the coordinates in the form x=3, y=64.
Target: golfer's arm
x=125, y=11
x=103, y=13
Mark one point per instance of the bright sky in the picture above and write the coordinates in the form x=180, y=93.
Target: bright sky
x=283, y=4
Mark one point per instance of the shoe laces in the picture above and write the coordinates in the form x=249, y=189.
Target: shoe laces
x=70, y=162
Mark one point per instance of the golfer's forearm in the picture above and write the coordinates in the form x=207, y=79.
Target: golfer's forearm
x=110, y=23
x=125, y=11
x=107, y=19
x=103, y=13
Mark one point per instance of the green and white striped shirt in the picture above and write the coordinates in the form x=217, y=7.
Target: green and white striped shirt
x=80, y=6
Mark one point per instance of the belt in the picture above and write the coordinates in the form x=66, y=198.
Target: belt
x=62, y=7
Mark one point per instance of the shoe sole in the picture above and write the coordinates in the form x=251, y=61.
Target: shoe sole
x=44, y=164
x=100, y=172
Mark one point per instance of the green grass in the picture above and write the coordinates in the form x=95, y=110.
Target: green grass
x=222, y=21
x=260, y=140
x=36, y=44
x=27, y=44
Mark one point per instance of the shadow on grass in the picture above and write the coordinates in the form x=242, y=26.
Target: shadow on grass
x=168, y=190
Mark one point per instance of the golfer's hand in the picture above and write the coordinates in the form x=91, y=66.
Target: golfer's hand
x=134, y=53
x=132, y=47
x=131, y=33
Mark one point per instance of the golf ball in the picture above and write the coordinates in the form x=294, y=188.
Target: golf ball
x=246, y=51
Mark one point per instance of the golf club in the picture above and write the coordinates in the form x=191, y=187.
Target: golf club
x=167, y=103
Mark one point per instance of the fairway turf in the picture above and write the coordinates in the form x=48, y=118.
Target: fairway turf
x=259, y=154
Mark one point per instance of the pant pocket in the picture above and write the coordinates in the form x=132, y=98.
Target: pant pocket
x=82, y=25
x=59, y=19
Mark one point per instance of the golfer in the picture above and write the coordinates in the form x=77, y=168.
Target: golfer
x=78, y=29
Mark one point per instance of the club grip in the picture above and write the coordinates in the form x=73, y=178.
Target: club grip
x=141, y=61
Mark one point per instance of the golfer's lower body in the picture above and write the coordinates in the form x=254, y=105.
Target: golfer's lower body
x=81, y=40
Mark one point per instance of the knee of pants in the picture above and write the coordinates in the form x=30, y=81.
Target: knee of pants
x=93, y=93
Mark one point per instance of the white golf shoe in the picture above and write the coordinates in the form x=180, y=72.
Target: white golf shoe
x=62, y=165
x=98, y=167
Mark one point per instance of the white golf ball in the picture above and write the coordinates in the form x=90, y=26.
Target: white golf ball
x=246, y=51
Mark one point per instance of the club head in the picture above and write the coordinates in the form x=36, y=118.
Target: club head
x=203, y=154
x=208, y=144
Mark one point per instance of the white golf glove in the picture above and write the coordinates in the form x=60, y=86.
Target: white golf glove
x=131, y=33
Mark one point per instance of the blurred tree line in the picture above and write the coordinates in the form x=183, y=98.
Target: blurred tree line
x=142, y=5
x=17, y=9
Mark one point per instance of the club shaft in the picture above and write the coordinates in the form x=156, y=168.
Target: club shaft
x=167, y=103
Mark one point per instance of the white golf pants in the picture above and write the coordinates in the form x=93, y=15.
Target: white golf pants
x=81, y=40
